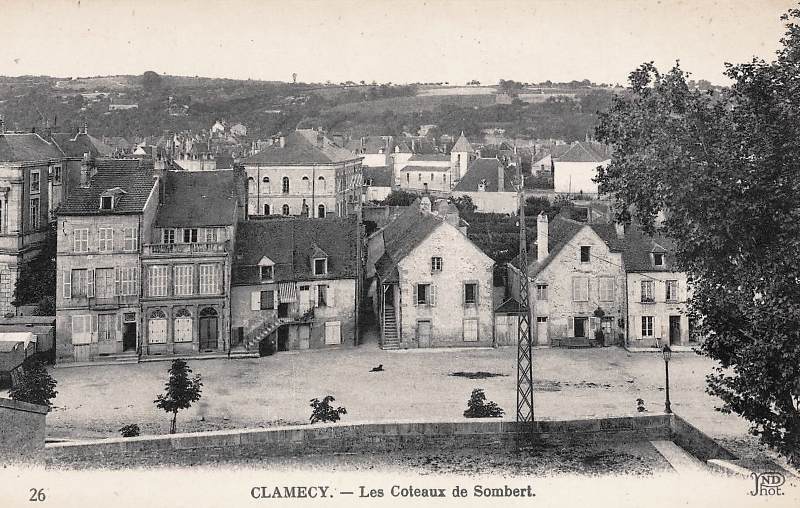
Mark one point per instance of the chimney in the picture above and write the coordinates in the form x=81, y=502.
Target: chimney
x=425, y=204
x=2, y=125
x=542, y=237
x=282, y=141
x=620, y=230
x=86, y=170
x=86, y=127
x=501, y=178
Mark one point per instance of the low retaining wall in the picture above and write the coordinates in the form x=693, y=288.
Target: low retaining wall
x=22, y=431
x=367, y=437
x=694, y=441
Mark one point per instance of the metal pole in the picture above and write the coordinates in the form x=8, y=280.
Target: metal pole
x=667, y=408
x=524, y=352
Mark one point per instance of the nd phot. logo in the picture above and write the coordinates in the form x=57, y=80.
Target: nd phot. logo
x=768, y=484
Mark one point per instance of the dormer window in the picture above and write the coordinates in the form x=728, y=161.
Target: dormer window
x=658, y=259
x=110, y=198
x=106, y=202
x=321, y=266
x=266, y=269
x=266, y=272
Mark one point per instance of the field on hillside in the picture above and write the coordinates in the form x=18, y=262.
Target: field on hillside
x=402, y=105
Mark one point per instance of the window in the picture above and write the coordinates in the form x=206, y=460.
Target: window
x=212, y=235
x=436, y=264
x=408, y=177
x=419, y=177
x=425, y=294
x=106, y=202
x=157, y=327
x=647, y=291
x=266, y=272
x=658, y=259
x=267, y=300
x=210, y=282
x=541, y=291
x=306, y=184
x=470, y=293
x=285, y=210
x=321, y=211
x=266, y=209
x=81, y=329
x=35, y=182
x=265, y=185
x=607, y=324
x=606, y=289
x=470, y=330
x=168, y=236
x=131, y=239
x=322, y=296
x=35, y=213
x=104, y=282
x=184, y=280
x=580, y=326
x=320, y=266
x=321, y=183
x=333, y=332
x=585, y=254
x=106, y=323
x=158, y=280
x=190, y=235
x=431, y=177
x=647, y=326
x=128, y=279
x=183, y=326
x=672, y=290
x=580, y=289
x=57, y=175
x=105, y=239
x=285, y=182
x=80, y=240
x=79, y=283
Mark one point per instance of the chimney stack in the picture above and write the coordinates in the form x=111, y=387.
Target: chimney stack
x=542, y=236
x=86, y=170
x=620, y=230
x=2, y=125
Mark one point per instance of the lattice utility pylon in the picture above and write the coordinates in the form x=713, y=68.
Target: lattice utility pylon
x=524, y=351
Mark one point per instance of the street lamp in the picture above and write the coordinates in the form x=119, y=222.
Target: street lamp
x=667, y=352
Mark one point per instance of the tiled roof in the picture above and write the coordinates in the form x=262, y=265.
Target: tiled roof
x=485, y=169
x=439, y=157
x=380, y=176
x=302, y=147
x=584, y=151
x=134, y=176
x=403, y=235
x=25, y=147
x=289, y=244
x=639, y=246
x=462, y=145
x=370, y=144
x=423, y=169
x=197, y=199
x=75, y=145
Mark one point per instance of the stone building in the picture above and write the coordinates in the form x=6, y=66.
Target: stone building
x=461, y=155
x=101, y=227
x=303, y=174
x=490, y=185
x=186, y=264
x=432, y=286
x=31, y=169
x=295, y=283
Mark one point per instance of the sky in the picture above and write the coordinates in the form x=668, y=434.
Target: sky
x=399, y=41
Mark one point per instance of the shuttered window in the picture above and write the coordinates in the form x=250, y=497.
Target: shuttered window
x=580, y=289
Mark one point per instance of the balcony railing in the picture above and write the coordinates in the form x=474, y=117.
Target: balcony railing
x=185, y=248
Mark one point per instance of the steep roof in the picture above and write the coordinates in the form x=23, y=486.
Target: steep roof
x=75, y=145
x=438, y=157
x=462, y=145
x=423, y=169
x=24, y=147
x=584, y=151
x=488, y=170
x=290, y=244
x=134, y=176
x=381, y=176
x=304, y=146
x=638, y=248
x=403, y=235
x=197, y=199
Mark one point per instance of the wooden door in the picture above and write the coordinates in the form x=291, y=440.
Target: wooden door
x=674, y=330
x=542, y=338
x=333, y=332
x=208, y=333
x=424, y=333
x=129, y=336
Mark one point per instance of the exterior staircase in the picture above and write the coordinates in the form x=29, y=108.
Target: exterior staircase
x=391, y=339
x=263, y=331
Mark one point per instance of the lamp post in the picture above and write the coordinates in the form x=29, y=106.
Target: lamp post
x=667, y=352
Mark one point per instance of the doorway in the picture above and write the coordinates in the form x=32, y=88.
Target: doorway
x=283, y=338
x=580, y=326
x=283, y=310
x=208, y=329
x=541, y=331
x=424, y=333
x=674, y=330
x=128, y=336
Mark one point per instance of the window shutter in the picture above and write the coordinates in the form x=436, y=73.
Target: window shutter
x=90, y=283
x=432, y=298
x=67, y=274
x=274, y=299
x=118, y=281
x=477, y=293
x=416, y=294
x=331, y=296
x=315, y=295
x=255, y=300
x=463, y=293
x=94, y=327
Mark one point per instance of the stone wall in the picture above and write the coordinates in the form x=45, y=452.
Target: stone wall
x=368, y=437
x=22, y=431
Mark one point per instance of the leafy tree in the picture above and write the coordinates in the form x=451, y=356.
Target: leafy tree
x=35, y=384
x=130, y=430
x=151, y=80
x=466, y=208
x=477, y=407
x=37, y=277
x=181, y=391
x=323, y=411
x=723, y=166
x=399, y=198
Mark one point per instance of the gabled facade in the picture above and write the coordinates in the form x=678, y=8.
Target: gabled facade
x=432, y=286
x=101, y=227
x=295, y=284
x=490, y=186
x=186, y=264
x=303, y=174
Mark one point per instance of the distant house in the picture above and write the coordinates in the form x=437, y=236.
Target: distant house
x=295, y=284
x=425, y=173
x=122, y=107
x=575, y=168
x=238, y=130
x=461, y=156
x=432, y=286
x=375, y=150
x=377, y=182
x=490, y=186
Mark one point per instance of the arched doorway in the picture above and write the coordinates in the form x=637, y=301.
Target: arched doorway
x=157, y=327
x=209, y=326
x=321, y=211
x=182, y=326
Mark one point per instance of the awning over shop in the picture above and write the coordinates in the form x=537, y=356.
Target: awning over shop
x=287, y=292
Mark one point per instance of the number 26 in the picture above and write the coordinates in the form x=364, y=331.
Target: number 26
x=37, y=495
